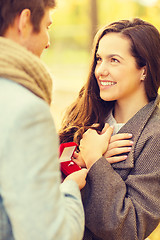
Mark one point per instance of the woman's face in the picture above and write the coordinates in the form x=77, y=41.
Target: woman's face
x=116, y=71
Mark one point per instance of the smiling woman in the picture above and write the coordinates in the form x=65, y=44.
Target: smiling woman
x=117, y=74
x=122, y=90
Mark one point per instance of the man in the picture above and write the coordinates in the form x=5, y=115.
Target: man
x=32, y=207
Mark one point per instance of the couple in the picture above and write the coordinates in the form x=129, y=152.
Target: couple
x=121, y=195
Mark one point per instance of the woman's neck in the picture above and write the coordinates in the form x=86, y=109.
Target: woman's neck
x=124, y=110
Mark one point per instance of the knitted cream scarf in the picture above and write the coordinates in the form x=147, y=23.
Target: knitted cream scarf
x=23, y=67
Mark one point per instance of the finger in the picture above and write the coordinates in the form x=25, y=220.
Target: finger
x=116, y=159
x=107, y=134
x=121, y=136
x=106, y=138
x=120, y=143
x=79, y=163
x=84, y=170
x=106, y=126
x=95, y=125
x=75, y=155
x=117, y=151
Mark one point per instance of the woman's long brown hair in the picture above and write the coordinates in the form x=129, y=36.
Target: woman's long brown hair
x=89, y=108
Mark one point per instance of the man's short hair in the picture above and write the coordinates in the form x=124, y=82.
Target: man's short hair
x=9, y=9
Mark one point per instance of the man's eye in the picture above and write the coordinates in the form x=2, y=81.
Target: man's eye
x=98, y=59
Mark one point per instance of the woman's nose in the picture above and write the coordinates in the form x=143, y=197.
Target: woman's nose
x=102, y=69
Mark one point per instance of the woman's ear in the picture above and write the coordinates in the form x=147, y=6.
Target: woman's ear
x=24, y=22
x=144, y=73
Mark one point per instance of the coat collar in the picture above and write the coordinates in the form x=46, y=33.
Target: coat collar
x=135, y=126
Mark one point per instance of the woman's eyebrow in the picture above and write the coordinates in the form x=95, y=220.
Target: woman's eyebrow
x=111, y=55
x=115, y=55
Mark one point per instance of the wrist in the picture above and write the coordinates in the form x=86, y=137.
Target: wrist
x=91, y=161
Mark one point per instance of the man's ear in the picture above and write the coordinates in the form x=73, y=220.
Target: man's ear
x=24, y=22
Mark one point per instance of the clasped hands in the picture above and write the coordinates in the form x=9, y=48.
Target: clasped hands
x=94, y=145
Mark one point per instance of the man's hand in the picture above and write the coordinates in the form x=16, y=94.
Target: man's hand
x=79, y=177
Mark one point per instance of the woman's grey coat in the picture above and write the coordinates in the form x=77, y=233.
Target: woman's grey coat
x=122, y=200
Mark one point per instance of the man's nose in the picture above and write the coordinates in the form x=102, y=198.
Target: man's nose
x=47, y=46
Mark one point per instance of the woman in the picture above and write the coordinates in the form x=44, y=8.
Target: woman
x=121, y=200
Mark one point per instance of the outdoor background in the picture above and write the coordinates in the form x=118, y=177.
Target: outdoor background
x=74, y=25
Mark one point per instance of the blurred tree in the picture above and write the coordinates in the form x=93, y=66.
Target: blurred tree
x=93, y=18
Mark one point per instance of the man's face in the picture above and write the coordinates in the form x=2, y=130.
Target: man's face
x=37, y=42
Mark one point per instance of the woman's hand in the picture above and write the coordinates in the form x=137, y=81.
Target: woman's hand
x=94, y=145
x=77, y=158
x=119, y=144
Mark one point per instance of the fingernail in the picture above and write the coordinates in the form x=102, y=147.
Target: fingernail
x=131, y=142
x=130, y=135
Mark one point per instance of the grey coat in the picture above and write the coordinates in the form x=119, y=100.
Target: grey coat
x=122, y=200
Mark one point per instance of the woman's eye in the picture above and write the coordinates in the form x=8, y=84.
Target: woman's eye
x=115, y=60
